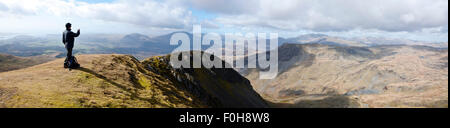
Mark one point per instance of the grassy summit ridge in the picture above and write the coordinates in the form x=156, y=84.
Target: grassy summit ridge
x=114, y=81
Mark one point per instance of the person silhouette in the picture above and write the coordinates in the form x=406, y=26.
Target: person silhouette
x=68, y=39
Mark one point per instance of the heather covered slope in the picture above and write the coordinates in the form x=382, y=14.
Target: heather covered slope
x=10, y=62
x=315, y=75
x=104, y=81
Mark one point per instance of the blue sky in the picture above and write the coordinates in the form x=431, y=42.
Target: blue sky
x=425, y=20
x=202, y=15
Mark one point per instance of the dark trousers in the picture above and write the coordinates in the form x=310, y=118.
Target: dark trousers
x=69, y=51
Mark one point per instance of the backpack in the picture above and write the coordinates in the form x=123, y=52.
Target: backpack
x=71, y=63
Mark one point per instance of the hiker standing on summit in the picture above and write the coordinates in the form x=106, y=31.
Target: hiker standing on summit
x=68, y=39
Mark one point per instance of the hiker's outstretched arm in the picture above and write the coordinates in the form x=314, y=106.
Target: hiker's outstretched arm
x=77, y=34
x=72, y=34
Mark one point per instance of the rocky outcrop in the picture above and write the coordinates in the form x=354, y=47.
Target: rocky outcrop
x=218, y=87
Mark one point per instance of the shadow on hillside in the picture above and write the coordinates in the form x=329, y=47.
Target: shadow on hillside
x=336, y=101
x=133, y=93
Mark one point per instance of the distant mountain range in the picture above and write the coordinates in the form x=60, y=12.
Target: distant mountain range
x=360, y=41
x=324, y=75
x=143, y=46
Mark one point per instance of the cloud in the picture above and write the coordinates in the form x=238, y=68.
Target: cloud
x=415, y=17
x=209, y=24
x=225, y=6
x=3, y=7
x=144, y=13
x=335, y=15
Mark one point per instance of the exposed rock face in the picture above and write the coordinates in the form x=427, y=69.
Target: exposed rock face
x=218, y=87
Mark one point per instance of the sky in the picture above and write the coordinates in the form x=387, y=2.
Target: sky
x=423, y=20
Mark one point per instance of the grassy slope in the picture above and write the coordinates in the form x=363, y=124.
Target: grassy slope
x=104, y=81
x=122, y=81
x=9, y=62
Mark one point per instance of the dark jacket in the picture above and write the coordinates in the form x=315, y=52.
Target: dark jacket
x=68, y=38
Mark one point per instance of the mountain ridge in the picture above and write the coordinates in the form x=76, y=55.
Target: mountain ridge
x=343, y=76
x=143, y=46
x=10, y=62
x=116, y=81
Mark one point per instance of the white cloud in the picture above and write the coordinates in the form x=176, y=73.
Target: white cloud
x=425, y=18
x=225, y=6
x=144, y=13
x=339, y=15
